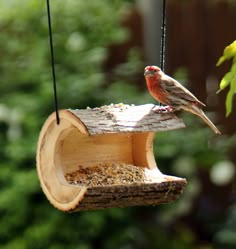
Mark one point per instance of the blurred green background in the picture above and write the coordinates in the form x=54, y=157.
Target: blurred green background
x=86, y=33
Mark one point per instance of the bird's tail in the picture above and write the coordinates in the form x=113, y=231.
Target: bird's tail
x=196, y=110
x=208, y=121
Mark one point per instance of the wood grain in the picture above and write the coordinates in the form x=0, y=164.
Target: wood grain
x=126, y=118
x=166, y=191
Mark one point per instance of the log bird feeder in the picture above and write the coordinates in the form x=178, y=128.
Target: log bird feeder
x=103, y=157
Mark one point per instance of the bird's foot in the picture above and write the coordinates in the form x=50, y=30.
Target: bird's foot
x=163, y=109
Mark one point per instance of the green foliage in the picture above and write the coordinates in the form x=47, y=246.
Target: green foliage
x=226, y=236
x=230, y=78
x=82, y=32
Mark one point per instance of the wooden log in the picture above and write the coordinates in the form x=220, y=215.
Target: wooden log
x=167, y=190
x=103, y=157
x=126, y=118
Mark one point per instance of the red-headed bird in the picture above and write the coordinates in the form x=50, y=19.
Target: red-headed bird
x=170, y=92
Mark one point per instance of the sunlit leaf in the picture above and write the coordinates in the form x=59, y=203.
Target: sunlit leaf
x=221, y=60
x=230, y=77
x=226, y=81
x=233, y=69
x=229, y=52
x=229, y=102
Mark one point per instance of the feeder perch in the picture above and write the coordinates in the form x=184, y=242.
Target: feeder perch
x=103, y=157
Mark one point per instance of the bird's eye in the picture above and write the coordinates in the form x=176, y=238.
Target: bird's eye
x=155, y=70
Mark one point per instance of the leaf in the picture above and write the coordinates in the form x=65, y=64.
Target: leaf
x=226, y=81
x=221, y=60
x=233, y=68
x=229, y=98
x=229, y=52
x=228, y=103
x=233, y=85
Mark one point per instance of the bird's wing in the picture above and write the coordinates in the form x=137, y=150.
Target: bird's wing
x=173, y=87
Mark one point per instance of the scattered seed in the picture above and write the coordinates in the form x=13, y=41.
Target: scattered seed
x=112, y=174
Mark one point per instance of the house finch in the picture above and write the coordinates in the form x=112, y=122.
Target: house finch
x=170, y=92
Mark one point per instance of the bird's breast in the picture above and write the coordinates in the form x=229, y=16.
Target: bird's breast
x=157, y=91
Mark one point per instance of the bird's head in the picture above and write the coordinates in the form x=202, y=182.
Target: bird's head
x=151, y=71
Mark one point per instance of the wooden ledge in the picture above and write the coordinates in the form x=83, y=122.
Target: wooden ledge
x=132, y=195
x=123, y=185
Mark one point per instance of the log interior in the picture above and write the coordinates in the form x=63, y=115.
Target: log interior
x=77, y=149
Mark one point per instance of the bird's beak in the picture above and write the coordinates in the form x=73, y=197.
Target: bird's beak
x=147, y=73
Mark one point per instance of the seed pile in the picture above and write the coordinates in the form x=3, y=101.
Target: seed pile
x=112, y=174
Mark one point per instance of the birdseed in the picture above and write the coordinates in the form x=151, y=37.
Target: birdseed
x=113, y=174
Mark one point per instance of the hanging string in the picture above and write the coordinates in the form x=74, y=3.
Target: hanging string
x=163, y=37
x=52, y=63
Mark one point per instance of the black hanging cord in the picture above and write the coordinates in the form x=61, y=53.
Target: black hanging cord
x=163, y=36
x=52, y=63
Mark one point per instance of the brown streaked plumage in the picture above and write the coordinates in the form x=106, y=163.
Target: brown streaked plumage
x=170, y=92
